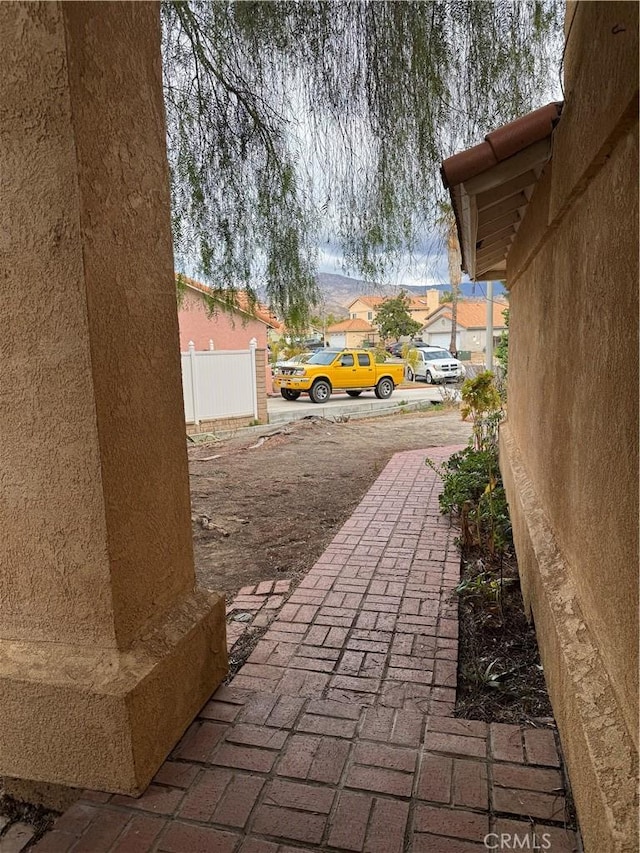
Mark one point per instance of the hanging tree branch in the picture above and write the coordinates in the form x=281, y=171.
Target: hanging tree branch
x=283, y=114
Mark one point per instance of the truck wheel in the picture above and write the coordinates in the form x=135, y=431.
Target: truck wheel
x=354, y=393
x=384, y=388
x=320, y=391
x=288, y=394
x=428, y=378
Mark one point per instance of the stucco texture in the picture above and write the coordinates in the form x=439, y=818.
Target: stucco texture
x=570, y=447
x=96, y=553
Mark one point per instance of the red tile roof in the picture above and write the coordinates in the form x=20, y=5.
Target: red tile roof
x=472, y=314
x=490, y=186
x=371, y=301
x=241, y=303
x=416, y=303
x=355, y=325
x=501, y=144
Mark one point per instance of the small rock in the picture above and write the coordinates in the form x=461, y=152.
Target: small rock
x=242, y=617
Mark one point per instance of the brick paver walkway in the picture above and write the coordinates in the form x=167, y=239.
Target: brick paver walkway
x=338, y=734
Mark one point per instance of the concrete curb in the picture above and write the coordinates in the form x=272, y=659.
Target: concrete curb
x=339, y=417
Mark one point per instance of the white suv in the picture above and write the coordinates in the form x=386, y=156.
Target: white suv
x=436, y=365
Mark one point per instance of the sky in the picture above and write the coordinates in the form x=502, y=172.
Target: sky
x=426, y=266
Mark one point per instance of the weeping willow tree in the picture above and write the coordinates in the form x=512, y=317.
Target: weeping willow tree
x=446, y=224
x=288, y=121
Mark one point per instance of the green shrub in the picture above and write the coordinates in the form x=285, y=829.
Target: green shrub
x=474, y=492
x=482, y=405
x=473, y=489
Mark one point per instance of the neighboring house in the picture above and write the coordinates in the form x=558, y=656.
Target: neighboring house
x=420, y=307
x=550, y=204
x=365, y=307
x=471, y=325
x=352, y=333
x=227, y=329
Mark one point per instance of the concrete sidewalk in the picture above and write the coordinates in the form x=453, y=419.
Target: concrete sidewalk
x=338, y=734
x=341, y=405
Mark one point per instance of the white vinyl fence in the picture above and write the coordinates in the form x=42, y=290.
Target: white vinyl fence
x=219, y=384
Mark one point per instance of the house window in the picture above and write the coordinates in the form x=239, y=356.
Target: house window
x=370, y=315
x=354, y=316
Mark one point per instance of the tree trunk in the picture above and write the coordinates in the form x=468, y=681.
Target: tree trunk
x=455, y=277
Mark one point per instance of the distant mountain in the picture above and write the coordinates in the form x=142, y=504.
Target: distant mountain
x=477, y=289
x=339, y=290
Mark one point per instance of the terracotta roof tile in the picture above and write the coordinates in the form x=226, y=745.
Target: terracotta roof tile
x=418, y=303
x=415, y=302
x=490, y=186
x=259, y=311
x=355, y=325
x=472, y=314
x=371, y=301
x=501, y=144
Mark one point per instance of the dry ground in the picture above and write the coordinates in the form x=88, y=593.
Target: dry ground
x=269, y=511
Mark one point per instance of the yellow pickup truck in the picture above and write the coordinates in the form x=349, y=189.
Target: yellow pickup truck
x=328, y=370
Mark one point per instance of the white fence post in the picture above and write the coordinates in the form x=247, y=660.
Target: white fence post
x=194, y=382
x=211, y=347
x=253, y=343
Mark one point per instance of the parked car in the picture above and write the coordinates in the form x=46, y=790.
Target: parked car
x=300, y=358
x=436, y=365
x=396, y=349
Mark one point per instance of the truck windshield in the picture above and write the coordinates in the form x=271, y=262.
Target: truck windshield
x=323, y=356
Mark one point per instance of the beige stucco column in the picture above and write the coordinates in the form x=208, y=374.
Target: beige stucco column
x=107, y=647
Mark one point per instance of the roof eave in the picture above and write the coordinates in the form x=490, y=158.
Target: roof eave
x=490, y=186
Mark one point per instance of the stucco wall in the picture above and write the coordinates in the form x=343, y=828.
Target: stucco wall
x=107, y=648
x=45, y=364
x=85, y=331
x=573, y=410
x=351, y=340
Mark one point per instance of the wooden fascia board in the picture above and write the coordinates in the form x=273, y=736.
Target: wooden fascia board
x=487, y=229
x=495, y=248
x=498, y=237
x=516, y=201
x=469, y=225
x=495, y=274
x=521, y=183
x=493, y=260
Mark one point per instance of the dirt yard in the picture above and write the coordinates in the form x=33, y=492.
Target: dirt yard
x=267, y=508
